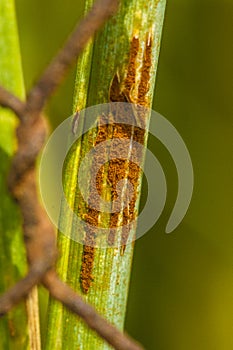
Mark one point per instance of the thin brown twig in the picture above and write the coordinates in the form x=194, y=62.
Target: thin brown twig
x=57, y=69
x=20, y=290
x=39, y=234
x=8, y=100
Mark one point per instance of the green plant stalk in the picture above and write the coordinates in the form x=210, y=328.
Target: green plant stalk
x=141, y=21
x=55, y=315
x=14, y=327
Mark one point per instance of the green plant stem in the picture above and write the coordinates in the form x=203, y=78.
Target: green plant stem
x=55, y=315
x=18, y=327
x=141, y=21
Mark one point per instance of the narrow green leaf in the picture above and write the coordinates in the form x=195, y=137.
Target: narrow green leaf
x=14, y=329
x=137, y=26
x=55, y=315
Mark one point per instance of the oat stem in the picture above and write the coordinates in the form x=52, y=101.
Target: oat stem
x=126, y=53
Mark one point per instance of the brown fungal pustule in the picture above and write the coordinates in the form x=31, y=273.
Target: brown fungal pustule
x=138, y=95
x=144, y=84
x=92, y=215
x=133, y=90
x=130, y=80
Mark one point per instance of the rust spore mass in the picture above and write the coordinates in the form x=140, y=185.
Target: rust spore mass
x=145, y=74
x=135, y=91
x=129, y=89
x=130, y=79
x=86, y=276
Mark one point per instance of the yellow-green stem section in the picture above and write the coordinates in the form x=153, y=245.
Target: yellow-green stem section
x=142, y=21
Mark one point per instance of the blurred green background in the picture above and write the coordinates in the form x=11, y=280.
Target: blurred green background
x=181, y=294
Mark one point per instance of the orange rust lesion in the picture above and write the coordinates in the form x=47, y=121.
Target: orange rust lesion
x=144, y=84
x=134, y=89
x=126, y=213
x=91, y=216
x=123, y=91
x=88, y=254
x=86, y=276
x=135, y=85
x=130, y=80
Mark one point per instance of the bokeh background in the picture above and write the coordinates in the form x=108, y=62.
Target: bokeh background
x=181, y=293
